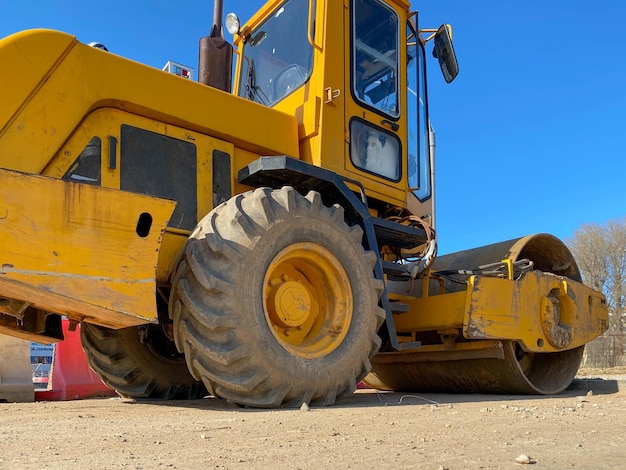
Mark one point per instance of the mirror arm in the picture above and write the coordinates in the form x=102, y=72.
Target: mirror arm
x=432, y=33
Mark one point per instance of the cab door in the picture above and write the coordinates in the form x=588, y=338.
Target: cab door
x=375, y=119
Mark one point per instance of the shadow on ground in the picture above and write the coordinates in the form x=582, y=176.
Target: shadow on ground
x=373, y=398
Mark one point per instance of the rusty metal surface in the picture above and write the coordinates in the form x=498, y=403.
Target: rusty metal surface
x=461, y=351
x=215, y=63
x=521, y=374
x=548, y=254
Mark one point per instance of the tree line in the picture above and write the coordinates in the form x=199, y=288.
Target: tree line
x=600, y=251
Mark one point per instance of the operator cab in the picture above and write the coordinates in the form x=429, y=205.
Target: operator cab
x=355, y=76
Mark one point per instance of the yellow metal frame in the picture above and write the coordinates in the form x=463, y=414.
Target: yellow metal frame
x=74, y=249
x=543, y=312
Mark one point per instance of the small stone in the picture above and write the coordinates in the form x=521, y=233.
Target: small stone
x=523, y=459
x=305, y=407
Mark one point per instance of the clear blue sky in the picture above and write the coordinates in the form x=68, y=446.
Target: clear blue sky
x=529, y=136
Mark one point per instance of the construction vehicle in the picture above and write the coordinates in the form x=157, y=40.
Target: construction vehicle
x=276, y=244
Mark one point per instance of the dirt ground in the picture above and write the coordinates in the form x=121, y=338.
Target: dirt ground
x=576, y=429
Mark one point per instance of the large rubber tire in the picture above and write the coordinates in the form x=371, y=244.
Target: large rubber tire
x=275, y=302
x=151, y=369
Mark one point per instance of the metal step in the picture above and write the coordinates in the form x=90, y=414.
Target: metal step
x=397, y=235
x=395, y=269
x=398, y=307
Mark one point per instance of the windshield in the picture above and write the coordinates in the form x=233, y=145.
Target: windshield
x=277, y=57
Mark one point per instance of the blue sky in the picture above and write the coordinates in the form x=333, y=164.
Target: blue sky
x=529, y=136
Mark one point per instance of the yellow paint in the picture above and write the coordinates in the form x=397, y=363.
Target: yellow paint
x=105, y=122
x=431, y=313
x=73, y=248
x=524, y=311
x=308, y=300
x=86, y=79
x=30, y=57
x=544, y=312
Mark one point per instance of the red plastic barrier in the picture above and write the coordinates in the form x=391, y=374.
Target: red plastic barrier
x=70, y=375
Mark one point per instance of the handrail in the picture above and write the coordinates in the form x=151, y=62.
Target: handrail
x=310, y=36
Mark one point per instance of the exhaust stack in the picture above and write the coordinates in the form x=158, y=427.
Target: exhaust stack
x=216, y=54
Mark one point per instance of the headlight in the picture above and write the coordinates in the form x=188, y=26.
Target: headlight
x=232, y=23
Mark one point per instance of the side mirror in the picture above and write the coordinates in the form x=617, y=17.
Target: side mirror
x=444, y=52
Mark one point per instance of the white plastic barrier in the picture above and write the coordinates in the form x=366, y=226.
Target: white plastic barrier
x=16, y=378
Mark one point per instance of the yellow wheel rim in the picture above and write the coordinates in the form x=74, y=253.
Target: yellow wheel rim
x=307, y=300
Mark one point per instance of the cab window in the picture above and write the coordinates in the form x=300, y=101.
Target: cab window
x=418, y=144
x=374, y=149
x=375, y=56
x=277, y=57
x=86, y=168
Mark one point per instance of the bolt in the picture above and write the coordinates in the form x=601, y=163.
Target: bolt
x=336, y=330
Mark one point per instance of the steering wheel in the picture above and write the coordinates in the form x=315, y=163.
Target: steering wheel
x=288, y=80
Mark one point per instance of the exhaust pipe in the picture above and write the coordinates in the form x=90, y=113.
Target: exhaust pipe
x=218, y=13
x=216, y=54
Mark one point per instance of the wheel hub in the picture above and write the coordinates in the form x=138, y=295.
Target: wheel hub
x=292, y=304
x=308, y=300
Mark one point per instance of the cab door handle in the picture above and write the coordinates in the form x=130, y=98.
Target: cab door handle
x=393, y=125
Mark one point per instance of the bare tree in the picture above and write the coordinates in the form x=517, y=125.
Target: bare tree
x=600, y=251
